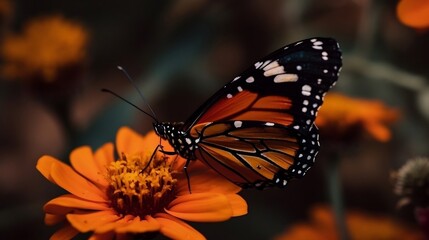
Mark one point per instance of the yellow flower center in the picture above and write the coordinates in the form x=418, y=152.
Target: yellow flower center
x=139, y=186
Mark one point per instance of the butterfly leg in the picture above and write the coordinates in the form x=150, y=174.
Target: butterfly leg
x=185, y=169
x=167, y=152
x=153, y=155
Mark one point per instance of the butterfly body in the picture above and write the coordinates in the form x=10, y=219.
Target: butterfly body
x=258, y=130
x=182, y=142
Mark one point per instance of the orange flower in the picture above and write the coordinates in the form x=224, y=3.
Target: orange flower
x=361, y=226
x=342, y=117
x=129, y=197
x=46, y=46
x=414, y=13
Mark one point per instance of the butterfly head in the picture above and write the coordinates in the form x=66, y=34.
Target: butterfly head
x=160, y=130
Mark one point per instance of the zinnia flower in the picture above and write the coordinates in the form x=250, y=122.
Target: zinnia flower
x=414, y=13
x=361, y=226
x=343, y=118
x=47, y=46
x=135, y=196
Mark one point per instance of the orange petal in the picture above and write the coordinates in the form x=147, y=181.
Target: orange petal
x=201, y=207
x=68, y=202
x=112, y=226
x=238, y=205
x=176, y=229
x=104, y=156
x=65, y=233
x=85, y=222
x=44, y=165
x=129, y=141
x=139, y=226
x=74, y=183
x=378, y=131
x=52, y=219
x=414, y=13
x=82, y=160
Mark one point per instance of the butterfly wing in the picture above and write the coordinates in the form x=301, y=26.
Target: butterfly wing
x=286, y=87
x=258, y=130
x=257, y=154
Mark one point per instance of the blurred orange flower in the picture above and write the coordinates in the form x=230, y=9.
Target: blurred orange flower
x=414, y=13
x=361, y=226
x=128, y=197
x=343, y=117
x=46, y=46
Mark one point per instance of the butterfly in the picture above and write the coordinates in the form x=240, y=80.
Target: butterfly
x=258, y=130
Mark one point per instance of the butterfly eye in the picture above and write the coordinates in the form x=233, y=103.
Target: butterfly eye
x=160, y=130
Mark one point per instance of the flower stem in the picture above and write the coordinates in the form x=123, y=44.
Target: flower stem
x=335, y=195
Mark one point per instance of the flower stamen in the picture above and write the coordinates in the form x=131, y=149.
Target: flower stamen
x=137, y=192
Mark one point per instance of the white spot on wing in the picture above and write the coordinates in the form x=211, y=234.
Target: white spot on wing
x=250, y=80
x=236, y=78
x=317, y=47
x=238, y=124
x=271, y=65
x=299, y=67
x=265, y=63
x=306, y=90
x=258, y=64
x=270, y=124
x=239, y=89
x=229, y=95
x=286, y=78
x=274, y=71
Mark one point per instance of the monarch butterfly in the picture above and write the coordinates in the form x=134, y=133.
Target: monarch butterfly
x=258, y=130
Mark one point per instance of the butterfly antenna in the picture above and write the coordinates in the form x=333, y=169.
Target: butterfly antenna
x=125, y=100
x=139, y=92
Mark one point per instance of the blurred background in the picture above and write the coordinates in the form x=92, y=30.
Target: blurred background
x=57, y=55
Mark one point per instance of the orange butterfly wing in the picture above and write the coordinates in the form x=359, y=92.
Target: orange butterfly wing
x=248, y=153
